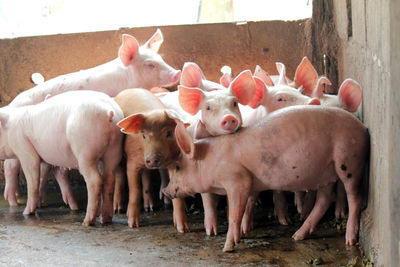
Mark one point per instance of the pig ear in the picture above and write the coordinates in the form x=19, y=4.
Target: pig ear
x=192, y=75
x=259, y=93
x=319, y=89
x=132, y=124
x=306, y=76
x=282, y=73
x=128, y=50
x=263, y=75
x=225, y=80
x=314, y=101
x=350, y=95
x=155, y=41
x=243, y=87
x=190, y=99
x=184, y=140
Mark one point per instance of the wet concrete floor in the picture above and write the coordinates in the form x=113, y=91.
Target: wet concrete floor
x=54, y=237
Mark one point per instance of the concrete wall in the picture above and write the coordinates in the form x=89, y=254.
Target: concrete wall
x=369, y=52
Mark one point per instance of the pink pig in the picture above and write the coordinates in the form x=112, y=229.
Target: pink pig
x=136, y=66
x=56, y=132
x=270, y=156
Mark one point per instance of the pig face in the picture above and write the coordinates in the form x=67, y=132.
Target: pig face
x=220, y=112
x=147, y=66
x=278, y=96
x=156, y=130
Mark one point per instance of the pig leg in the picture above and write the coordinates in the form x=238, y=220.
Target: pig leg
x=248, y=218
x=340, y=207
x=281, y=207
x=354, y=199
x=11, y=173
x=61, y=175
x=44, y=172
x=179, y=215
x=164, y=182
x=325, y=196
x=119, y=191
x=238, y=194
x=309, y=201
x=147, y=191
x=210, y=202
x=30, y=162
x=299, y=200
x=93, y=180
x=133, y=211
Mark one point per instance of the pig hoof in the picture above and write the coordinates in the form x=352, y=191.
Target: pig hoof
x=106, y=220
x=351, y=242
x=87, y=223
x=297, y=237
x=229, y=248
x=133, y=223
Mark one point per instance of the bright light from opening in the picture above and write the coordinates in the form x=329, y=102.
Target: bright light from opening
x=43, y=17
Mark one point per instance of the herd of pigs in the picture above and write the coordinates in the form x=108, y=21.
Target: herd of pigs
x=239, y=137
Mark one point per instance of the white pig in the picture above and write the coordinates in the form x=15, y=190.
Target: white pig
x=74, y=130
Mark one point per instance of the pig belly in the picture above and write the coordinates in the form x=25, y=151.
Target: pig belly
x=56, y=151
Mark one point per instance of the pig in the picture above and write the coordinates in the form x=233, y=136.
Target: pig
x=135, y=66
x=217, y=112
x=150, y=144
x=270, y=156
x=77, y=130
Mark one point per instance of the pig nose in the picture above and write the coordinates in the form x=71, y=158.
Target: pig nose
x=153, y=161
x=229, y=123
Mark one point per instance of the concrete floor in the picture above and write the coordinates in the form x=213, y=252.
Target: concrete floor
x=54, y=236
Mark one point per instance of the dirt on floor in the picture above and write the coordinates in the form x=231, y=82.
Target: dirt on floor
x=55, y=236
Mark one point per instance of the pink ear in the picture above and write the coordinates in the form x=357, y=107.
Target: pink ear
x=132, y=124
x=350, y=95
x=282, y=73
x=263, y=75
x=190, y=99
x=192, y=75
x=259, y=93
x=184, y=140
x=243, y=87
x=155, y=41
x=128, y=50
x=314, y=101
x=306, y=76
x=225, y=80
x=319, y=89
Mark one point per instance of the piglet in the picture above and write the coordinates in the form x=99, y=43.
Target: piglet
x=74, y=130
x=270, y=155
x=150, y=144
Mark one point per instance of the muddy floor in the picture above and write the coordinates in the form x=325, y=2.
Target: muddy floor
x=54, y=237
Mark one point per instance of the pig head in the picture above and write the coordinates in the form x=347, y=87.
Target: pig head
x=155, y=130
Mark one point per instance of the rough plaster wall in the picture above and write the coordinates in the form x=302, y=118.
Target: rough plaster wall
x=241, y=46
x=368, y=53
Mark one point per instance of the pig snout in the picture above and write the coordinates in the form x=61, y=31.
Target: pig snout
x=153, y=161
x=229, y=123
x=167, y=192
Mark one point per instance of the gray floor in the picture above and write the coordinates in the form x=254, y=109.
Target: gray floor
x=55, y=237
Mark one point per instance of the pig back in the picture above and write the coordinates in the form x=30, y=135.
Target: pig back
x=137, y=100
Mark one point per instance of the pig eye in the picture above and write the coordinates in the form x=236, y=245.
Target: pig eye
x=169, y=133
x=177, y=168
x=280, y=99
x=150, y=65
x=208, y=108
x=144, y=136
x=235, y=104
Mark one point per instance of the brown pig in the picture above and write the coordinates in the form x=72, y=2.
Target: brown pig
x=279, y=153
x=150, y=144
